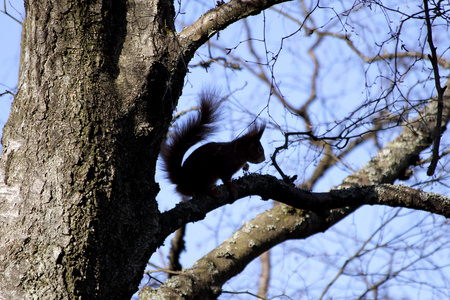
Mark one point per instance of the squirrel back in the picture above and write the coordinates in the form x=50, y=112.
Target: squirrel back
x=211, y=161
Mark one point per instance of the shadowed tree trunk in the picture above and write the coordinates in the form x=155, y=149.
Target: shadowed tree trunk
x=79, y=149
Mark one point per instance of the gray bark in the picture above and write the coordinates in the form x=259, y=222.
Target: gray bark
x=76, y=157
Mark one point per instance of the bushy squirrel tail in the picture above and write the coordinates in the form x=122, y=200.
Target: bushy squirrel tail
x=189, y=133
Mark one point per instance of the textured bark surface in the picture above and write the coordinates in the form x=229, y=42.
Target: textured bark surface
x=77, y=189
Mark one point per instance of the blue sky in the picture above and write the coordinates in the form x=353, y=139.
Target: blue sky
x=9, y=55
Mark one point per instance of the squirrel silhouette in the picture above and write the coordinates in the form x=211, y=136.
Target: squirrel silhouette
x=212, y=161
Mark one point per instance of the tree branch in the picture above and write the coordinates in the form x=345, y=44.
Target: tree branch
x=217, y=19
x=269, y=187
x=283, y=222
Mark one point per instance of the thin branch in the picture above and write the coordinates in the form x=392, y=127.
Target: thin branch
x=440, y=92
x=285, y=146
x=368, y=59
x=177, y=246
x=6, y=93
x=360, y=252
x=243, y=293
x=330, y=158
x=159, y=269
x=392, y=274
x=5, y=11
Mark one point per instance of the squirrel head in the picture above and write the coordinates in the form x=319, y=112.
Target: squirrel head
x=251, y=140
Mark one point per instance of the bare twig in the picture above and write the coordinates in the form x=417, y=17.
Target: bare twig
x=7, y=92
x=159, y=269
x=177, y=246
x=285, y=146
x=440, y=92
x=360, y=252
x=5, y=11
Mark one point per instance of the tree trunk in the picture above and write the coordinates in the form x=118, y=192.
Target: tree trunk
x=77, y=187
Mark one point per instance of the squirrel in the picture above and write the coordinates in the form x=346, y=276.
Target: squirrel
x=200, y=171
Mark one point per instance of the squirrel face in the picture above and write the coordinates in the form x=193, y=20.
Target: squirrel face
x=256, y=153
x=252, y=145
